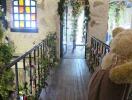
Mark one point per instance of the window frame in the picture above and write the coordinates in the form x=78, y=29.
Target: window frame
x=24, y=28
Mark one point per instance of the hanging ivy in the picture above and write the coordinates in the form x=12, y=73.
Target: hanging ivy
x=75, y=8
x=6, y=74
x=87, y=10
x=61, y=8
x=1, y=12
x=115, y=11
x=1, y=33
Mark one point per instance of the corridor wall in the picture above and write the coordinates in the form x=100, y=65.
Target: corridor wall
x=47, y=19
x=98, y=24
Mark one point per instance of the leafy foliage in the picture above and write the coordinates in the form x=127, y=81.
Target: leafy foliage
x=1, y=33
x=61, y=8
x=5, y=53
x=87, y=10
x=76, y=8
x=6, y=83
x=6, y=74
x=1, y=12
x=49, y=60
x=116, y=11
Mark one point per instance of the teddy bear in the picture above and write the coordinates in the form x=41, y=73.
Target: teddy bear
x=113, y=79
x=116, y=31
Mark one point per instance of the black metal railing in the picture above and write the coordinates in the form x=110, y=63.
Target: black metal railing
x=29, y=71
x=96, y=52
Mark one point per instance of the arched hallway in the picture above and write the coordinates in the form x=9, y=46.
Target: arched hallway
x=69, y=82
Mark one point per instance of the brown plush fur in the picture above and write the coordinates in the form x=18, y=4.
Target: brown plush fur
x=122, y=73
x=122, y=44
x=121, y=47
x=107, y=60
x=116, y=31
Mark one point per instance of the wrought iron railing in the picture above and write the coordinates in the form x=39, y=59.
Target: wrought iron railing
x=30, y=72
x=96, y=52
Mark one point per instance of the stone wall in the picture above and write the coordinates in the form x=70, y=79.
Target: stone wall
x=47, y=19
x=98, y=24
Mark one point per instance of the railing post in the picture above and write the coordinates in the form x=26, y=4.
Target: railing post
x=30, y=66
x=34, y=55
x=43, y=48
x=38, y=70
x=24, y=67
x=17, y=81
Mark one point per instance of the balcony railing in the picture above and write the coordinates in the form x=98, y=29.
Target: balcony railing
x=95, y=54
x=30, y=73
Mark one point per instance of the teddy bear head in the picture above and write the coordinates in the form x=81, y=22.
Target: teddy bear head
x=120, y=57
x=116, y=31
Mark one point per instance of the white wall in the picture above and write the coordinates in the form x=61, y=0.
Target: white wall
x=98, y=24
x=47, y=22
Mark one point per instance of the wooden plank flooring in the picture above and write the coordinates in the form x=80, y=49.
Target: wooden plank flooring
x=78, y=52
x=70, y=81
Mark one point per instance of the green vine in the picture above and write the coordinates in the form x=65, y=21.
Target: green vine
x=1, y=13
x=1, y=33
x=6, y=74
x=61, y=8
x=115, y=12
x=49, y=60
x=75, y=8
x=87, y=11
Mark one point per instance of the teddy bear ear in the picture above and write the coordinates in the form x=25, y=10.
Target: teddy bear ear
x=117, y=31
x=121, y=73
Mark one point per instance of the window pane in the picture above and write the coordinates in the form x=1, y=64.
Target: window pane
x=21, y=2
x=33, y=24
x=21, y=16
x=33, y=17
x=24, y=15
x=15, y=9
x=21, y=24
x=27, y=9
x=27, y=2
x=16, y=24
x=15, y=3
x=33, y=9
x=16, y=17
x=27, y=16
x=21, y=9
x=27, y=23
x=32, y=3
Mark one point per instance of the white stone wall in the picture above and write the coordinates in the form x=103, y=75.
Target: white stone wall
x=47, y=18
x=98, y=24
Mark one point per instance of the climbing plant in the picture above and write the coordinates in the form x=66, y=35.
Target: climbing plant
x=75, y=8
x=61, y=8
x=1, y=13
x=116, y=11
x=49, y=60
x=1, y=33
x=6, y=74
x=87, y=10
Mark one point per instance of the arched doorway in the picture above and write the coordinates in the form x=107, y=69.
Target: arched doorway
x=74, y=37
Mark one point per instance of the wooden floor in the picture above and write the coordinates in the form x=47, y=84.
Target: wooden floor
x=78, y=52
x=70, y=81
